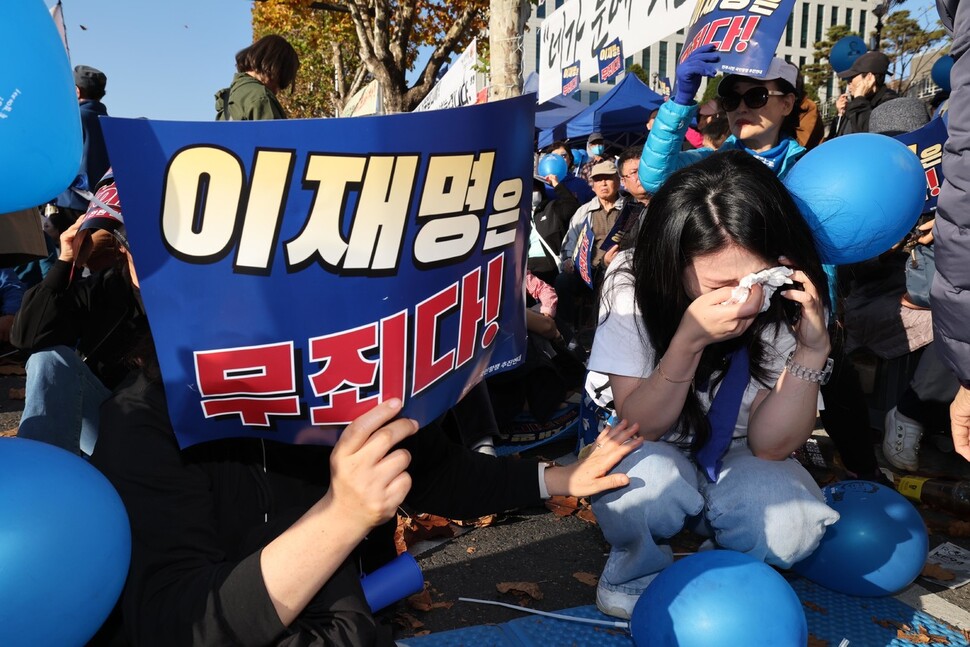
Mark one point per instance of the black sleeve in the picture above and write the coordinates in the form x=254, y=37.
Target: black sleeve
x=181, y=589
x=565, y=206
x=857, y=113
x=50, y=314
x=455, y=482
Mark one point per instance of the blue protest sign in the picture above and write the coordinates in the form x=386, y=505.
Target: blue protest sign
x=296, y=273
x=927, y=144
x=746, y=37
x=664, y=87
x=610, y=59
x=570, y=79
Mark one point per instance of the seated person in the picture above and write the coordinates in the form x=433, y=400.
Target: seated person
x=578, y=186
x=79, y=330
x=250, y=541
x=550, y=218
x=722, y=384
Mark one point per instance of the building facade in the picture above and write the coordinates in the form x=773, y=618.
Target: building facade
x=808, y=23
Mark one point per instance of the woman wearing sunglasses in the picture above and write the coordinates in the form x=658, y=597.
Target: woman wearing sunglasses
x=761, y=112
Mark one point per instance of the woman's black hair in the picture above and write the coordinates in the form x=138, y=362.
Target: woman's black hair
x=271, y=56
x=561, y=144
x=728, y=198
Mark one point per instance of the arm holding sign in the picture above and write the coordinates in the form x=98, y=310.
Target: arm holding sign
x=662, y=154
x=244, y=541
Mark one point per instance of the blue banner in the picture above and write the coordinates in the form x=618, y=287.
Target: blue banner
x=570, y=79
x=746, y=37
x=610, y=59
x=296, y=273
x=927, y=144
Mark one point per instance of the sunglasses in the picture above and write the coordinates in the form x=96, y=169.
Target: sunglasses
x=754, y=98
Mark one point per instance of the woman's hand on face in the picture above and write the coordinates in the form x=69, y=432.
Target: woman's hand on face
x=709, y=319
x=811, y=331
x=592, y=474
x=367, y=483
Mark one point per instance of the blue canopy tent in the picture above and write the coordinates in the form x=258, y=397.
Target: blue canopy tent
x=621, y=115
x=554, y=111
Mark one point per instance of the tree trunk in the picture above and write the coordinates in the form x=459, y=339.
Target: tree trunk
x=506, y=26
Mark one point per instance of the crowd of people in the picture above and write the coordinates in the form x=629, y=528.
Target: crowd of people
x=675, y=282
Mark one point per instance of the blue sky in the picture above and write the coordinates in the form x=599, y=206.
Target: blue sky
x=165, y=59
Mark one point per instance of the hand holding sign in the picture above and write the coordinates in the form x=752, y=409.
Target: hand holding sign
x=699, y=64
x=40, y=126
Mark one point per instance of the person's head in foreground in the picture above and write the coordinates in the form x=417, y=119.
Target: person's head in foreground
x=605, y=180
x=101, y=241
x=272, y=61
x=711, y=224
x=761, y=111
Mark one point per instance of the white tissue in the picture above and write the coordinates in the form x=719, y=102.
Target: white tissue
x=770, y=280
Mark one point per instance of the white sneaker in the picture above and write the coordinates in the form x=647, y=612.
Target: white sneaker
x=900, y=442
x=615, y=603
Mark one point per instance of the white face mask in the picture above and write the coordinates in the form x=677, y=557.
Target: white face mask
x=536, y=198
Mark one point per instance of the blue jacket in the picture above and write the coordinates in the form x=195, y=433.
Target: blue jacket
x=662, y=155
x=94, y=156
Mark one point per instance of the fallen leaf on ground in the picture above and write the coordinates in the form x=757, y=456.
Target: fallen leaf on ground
x=563, y=506
x=586, y=514
x=890, y=624
x=424, y=526
x=407, y=621
x=528, y=588
x=587, y=578
x=481, y=522
x=921, y=637
x=814, y=607
x=937, y=572
x=421, y=601
x=470, y=550
x=958, y=529
x=815, y=641
x=17, y=394
x=9, y=433
x=12, y=369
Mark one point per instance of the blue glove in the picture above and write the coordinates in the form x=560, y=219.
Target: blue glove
x=698, y=64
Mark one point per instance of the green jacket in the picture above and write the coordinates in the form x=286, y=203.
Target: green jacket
x=247, y=100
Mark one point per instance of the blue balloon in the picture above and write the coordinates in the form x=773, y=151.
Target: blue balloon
x=941, y=72
x=860, y=194
x=845, y=52
x=876, y=548
x=64, y=549
x=719, y=597
x=552, y=164
x=40, y=125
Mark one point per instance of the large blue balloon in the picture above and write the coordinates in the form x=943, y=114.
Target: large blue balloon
x=859, y=193
x=845, y=52
x=719, y=597
x=552, y=164
x=40, y=125
x=941, y=72
x=64, y=548
x=876, y=548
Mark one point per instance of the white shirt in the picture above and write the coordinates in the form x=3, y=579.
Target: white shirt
x=622, y=347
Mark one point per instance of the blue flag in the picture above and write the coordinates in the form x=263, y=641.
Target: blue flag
x=927, y=143
x=296, y=273
x=746, y=38
x=610, y=59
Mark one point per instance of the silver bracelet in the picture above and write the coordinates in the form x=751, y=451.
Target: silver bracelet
x=809, y=374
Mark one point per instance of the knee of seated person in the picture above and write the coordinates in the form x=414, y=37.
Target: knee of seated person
x=52, y=359
x=658, y=471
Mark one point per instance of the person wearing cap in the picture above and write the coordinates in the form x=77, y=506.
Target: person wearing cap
x=263, y=69
x=595, y=149
x=867, y=89
x=79, y=330
x=595, y=220
x=761, y=112
x=90, y=84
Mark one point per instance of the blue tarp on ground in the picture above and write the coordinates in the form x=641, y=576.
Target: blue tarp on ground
x=624, y=109
x=554, y=111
